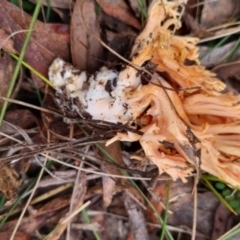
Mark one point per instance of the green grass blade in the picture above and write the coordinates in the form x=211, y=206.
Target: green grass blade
x=231, y=234
x=164, y=226
x=143, y=7
x=219, y=196
x=19, y=62
x=32, y=70
x=87, y=219
x=220, y=43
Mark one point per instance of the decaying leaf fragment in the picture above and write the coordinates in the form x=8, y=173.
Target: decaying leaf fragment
x=200, y=123
x=9, y=181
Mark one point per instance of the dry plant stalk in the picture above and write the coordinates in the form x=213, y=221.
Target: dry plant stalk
x=200, y=123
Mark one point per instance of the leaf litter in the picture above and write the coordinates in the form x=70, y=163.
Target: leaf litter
x=191, y=129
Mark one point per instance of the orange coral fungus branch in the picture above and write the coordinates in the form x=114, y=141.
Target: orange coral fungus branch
x=198, y=123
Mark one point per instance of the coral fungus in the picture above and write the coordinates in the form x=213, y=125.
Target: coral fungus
x=187, y=108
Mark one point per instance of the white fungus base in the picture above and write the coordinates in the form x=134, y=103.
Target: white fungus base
x=102, y=95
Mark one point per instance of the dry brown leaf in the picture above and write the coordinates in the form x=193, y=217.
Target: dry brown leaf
x=85, y=48
x=65, y=4
x=196, y=29
x=114, y=9
x=215, y=13
x=18, y=235
x=22, y=118
x=230, y=74
x=108, y=184
x=224, y=220
x=10, y=181
x=111, y=25
x=114, y=150
x=160, y=191
x=112, y=187
x=181, y=206
x=47, y=41
x=136, y=219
